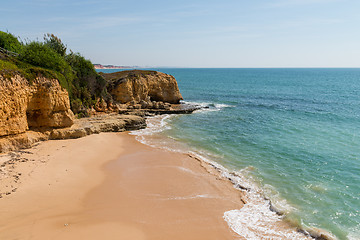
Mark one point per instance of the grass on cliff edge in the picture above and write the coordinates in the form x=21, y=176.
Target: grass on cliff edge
x=10, y=66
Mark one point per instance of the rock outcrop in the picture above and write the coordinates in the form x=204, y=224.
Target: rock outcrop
x=81, y=128
x=142, y=87
x=43, y=103
x=40, y=110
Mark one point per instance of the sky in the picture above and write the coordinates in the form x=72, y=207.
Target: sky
x=196, y=33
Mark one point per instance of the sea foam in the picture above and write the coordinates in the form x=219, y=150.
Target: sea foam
x=208, y=107
x=258, y=218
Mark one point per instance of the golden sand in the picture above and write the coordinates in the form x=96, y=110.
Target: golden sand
x=109, y=186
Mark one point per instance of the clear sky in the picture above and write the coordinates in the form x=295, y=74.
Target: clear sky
x=196, y=33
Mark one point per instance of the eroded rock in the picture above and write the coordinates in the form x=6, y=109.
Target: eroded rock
x=43, y=103
x=135, y=86
x=81, y=127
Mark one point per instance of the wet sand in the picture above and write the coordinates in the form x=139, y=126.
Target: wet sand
x=109, y=186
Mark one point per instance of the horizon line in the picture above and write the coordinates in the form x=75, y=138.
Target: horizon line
x=139, y=67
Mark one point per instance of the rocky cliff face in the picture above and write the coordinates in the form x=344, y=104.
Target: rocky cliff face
x=40, y=110
x=136, y=86
x=43, y=103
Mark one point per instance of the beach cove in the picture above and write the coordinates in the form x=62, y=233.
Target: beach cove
x=110, y=186
x=173, y=179
x=267, y=133
x=180, y=120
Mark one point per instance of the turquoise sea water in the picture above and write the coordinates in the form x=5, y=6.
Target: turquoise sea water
x=294, y=132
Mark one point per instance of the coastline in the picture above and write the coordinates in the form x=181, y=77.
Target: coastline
x=109, y=183
x=260, y=218
x=282, y=149
x=117, y=186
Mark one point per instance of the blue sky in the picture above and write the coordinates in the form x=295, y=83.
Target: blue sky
x=197, y=33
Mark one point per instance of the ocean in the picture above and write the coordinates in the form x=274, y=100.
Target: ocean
x=290, y=136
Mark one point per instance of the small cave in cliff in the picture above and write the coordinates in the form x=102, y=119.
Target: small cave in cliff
x=32, y=117
x=155, y=98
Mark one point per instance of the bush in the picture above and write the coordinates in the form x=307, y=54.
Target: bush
x=87, y=77
x=39, y=54
x=10, y=42
x=49, y=59
x=76, y=105
x=55, y=43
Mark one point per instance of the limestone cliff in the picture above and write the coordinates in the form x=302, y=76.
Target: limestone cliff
x=136, y=86
x=40, y=110
x=23, y=105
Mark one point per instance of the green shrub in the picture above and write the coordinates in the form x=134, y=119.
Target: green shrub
x=49, y=59
x=76, y=105
x=55, y=43
x=10, y=42
x=88, y=82
x=41, y=55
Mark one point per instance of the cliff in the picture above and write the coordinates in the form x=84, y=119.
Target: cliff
x=35, y=105
x=147, y=86
x=40, y=104
x=38, y=110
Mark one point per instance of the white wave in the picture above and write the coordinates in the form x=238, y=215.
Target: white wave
x=207, y=106
x=255, y=221
x=154, y=125
x=278, y=203
x=256, y=218
x=223, y=106
x=354, y=233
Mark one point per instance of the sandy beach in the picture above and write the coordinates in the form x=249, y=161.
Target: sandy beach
x=109, y=186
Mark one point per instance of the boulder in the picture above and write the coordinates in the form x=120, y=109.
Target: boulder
x=143, y=104
x=161, y=105
x=150, y=105
x=101, y=105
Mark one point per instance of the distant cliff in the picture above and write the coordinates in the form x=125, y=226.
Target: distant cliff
x=138, y=86
x=100, y=66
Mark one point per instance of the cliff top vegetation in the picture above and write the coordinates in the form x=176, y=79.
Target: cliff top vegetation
x=50, y=58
